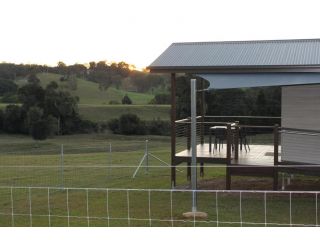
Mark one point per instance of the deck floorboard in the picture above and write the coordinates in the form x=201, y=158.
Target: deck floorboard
x=259, y=155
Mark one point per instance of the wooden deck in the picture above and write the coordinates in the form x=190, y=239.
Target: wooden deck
x=259, y=155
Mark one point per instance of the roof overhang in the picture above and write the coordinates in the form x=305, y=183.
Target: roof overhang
x=232, y=56
x=249, y=80
x=232, y=69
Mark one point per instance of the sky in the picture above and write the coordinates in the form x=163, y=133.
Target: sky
x=138, y=31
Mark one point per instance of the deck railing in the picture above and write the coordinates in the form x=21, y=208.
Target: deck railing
x=270, y=148
x=259, y=129
x=301, y=145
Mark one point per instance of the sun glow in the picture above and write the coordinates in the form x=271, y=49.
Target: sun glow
x=46, y=32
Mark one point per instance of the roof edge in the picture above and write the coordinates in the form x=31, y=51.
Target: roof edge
x=234, y=69
x=250, y=41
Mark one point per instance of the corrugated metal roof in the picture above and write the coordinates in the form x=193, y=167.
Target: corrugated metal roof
x=248, y=80
x=267, y=53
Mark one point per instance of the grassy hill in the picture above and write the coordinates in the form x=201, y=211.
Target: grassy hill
x=89, y=92
x=94, y=103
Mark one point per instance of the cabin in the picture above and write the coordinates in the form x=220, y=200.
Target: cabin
x=294, y=137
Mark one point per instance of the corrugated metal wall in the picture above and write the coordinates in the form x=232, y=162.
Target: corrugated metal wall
x=301, y=109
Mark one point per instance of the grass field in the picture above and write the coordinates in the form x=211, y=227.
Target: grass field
x=96, y=184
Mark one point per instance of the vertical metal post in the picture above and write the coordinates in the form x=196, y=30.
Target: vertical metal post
x=30, y=207
x=147, y=157
x=88, y=216
x=316, y=209
x=149, y=203
x=275, y=156
x=189, y=134
x=236, y=141
x=173, y=129
x=62, y=166
x=193, y=145
x=12, y=211
x=228, y=173
x=202, y=111
x=110, y=160
x=68, y=210
x=49, y=208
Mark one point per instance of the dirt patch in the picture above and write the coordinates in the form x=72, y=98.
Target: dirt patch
x=299, y=183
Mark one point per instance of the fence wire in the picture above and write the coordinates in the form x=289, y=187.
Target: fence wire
x=86, y=166
x=54, y=206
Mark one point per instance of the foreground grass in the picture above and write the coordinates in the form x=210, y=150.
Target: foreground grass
x=91, y=170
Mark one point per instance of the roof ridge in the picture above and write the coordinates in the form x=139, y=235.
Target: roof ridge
x=249, y=41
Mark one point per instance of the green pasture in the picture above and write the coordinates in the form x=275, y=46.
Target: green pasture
x=92, y=187
x=89, y=92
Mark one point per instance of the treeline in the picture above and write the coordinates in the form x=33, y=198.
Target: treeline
x=120, y=75
x=44, y=112
x=131, y=124
x=230, y=102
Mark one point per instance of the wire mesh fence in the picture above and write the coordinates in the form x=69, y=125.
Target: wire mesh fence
x=51, y=206
x=113, y=185
x=95, y=166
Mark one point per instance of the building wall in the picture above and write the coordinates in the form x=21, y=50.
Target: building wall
x=301, y=109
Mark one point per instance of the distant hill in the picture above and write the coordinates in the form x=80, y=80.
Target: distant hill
x=94, y=103
x=89, y=92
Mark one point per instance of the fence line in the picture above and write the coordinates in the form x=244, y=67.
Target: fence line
x=208, y=165
x=160, y=209
x=163, y=190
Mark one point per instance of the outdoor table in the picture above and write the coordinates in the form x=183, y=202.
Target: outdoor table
x=211, y=129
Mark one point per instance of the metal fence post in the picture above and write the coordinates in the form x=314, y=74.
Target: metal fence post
x=275, y=156
x=61, y=166
x=193, y=145
x=109, y=165
x=147, y=156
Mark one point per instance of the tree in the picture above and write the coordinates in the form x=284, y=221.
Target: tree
x=62, y=68
x=131, y=124
x=162, y=98
x=13, y=119
x=41, y=131
x=123, y=69
x=31, y=95
x=1, y=119
x=126, y=100
x=62, y=106
x=33, y=79
x=78, y=70
x=8, y=71
x=92, y=65
x=261, y=109
x=7, y=86
x=37, y=125
x=52, y=124
x=34, y=115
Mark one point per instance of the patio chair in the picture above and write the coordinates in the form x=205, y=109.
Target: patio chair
x=220, y=135
x=243, y=139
